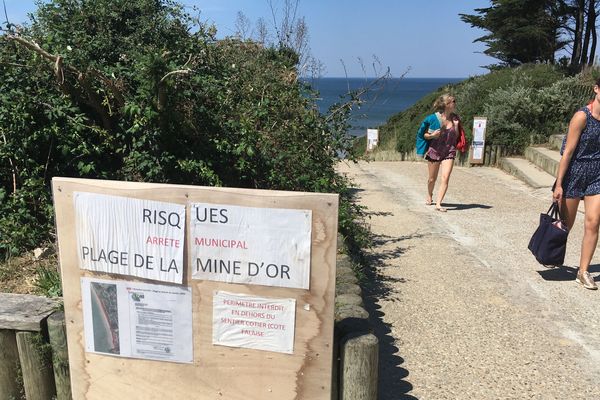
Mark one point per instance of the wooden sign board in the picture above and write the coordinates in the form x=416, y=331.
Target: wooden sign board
x=292, y=358
x=478, y=144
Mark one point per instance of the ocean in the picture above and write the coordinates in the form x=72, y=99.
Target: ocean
x=383, y=101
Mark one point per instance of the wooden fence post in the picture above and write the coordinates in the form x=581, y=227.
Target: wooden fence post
x=359, y=365
x=38, y=379
x=60, y=356
x=9, y=363
x=493, y=155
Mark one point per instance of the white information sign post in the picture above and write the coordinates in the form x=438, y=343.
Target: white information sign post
x=256, y=246
x=120, y=235
x=372, y=139
x=137, y=320
x=253, y=322
x=478, y=145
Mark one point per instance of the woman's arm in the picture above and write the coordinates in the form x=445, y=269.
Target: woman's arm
x=429, y=132
x=576, y=126
x=432, y=135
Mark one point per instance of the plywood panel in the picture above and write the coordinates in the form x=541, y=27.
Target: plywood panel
x=217, y=372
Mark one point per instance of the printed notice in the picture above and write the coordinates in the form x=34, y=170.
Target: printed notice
x=254, y=322
x=257, y=246
x=137, y=320
x=479, y=125
x=478, y=144
x=120, y=235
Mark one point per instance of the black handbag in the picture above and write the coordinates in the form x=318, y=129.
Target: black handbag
x=549, y=241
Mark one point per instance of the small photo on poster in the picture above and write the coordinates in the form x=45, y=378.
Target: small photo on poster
x=137, y=320
x=105, y=317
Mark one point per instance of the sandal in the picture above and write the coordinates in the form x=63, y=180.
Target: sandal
x=428, y=202
x=440, y=209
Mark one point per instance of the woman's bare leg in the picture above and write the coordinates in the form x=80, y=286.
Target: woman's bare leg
x=446, y=171
x=590, y=233
x=568, y=209
x=433, y=168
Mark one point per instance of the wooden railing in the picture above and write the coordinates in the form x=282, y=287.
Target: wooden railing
x=33, y=349
x=492, y=156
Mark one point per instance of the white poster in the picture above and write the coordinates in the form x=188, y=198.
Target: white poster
x=256, y=246
x=120, y=235
x=137, y=320
x=479, y=126
x=372, y=138
x=254, y=322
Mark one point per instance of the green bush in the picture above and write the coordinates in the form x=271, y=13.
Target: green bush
x=511, y=116
x=138, y=90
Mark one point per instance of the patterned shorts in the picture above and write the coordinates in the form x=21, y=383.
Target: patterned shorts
x=582, y=179
x=437, y=156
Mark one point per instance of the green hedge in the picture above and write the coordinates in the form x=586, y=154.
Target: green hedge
x=142, y=91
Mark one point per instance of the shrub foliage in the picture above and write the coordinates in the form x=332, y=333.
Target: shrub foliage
x=139, y=90
x=523, y=105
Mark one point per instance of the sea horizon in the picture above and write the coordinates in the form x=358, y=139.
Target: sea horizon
x=391, y=96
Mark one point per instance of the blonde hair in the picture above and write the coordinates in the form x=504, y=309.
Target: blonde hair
x=440, y=103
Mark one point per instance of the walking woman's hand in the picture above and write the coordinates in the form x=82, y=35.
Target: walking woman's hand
x=434, y=134
x=557, y=194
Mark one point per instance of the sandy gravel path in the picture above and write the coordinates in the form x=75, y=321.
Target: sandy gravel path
x=460, y=306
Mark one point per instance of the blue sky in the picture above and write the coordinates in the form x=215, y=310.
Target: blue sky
x=426, y=37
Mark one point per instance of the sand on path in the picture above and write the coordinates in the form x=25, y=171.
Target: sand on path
x=461, y=308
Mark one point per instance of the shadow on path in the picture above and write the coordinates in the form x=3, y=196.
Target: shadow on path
x=379, y=213
x=392, y=377
x=566, y=273
x=459, y=207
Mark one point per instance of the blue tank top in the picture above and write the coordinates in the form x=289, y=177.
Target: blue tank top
x=588, y=148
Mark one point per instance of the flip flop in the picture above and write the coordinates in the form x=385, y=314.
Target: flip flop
x=440, y=209
x=428, y=202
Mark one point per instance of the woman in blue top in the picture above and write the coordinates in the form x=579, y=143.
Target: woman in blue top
x=436, y=140
x=579, y=177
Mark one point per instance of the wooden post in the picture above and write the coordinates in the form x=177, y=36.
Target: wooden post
x=359, y=361
x=60, y=356
x=492, y=155
x=486, y=155
x=469, y=156
x=9, y=362
x=38, y=379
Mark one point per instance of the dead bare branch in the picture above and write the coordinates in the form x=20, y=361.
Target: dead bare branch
x=179, y=71
x=111, y=85
x=89, y=95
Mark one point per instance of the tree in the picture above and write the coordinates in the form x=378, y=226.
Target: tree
x=526, y=31
x=580, y=28
x=520, y=31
